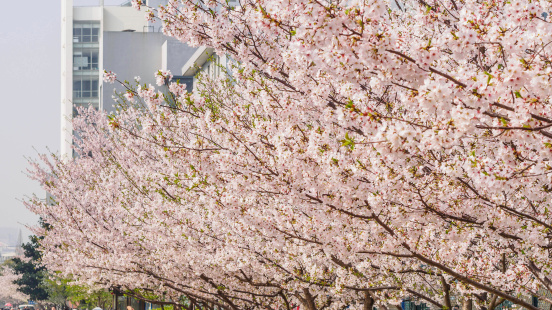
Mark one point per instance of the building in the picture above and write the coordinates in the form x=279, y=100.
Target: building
x=10, y=248
x=205, y=61
x=112, y=38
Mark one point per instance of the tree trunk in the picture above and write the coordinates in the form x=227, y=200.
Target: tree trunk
x=467, y=304
x=368, y=301
x=310, y=305
x=446, y=290
x=492, y=303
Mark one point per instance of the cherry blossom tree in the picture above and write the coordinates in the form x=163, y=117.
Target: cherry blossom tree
x=358, y=152
x=8, y=289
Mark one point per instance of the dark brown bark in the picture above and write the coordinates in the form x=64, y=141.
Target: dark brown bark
x=467, y=304
x=446, y=290
x=492, y=303
x=309, y=300
x=368, y=301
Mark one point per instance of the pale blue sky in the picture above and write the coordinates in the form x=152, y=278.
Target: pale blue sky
x=29, y=97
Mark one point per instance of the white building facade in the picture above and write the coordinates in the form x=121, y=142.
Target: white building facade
x=112, y=38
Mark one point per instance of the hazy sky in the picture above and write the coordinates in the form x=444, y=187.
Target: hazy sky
x=30, y=102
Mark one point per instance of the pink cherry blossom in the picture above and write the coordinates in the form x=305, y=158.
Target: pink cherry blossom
x=109, y=77
x=356, y=152
x=8, y=290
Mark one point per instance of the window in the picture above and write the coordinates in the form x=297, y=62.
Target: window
x=188, y=80
x=135, y=303
x=535, y=301
x=86, y=32
x=85, y=87
x=121, y=302
x=85, y=59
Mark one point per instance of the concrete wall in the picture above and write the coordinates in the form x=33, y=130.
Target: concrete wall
x=66, y=77
x=131, y=54
x=156, y=25
x=87, y=13
x=156, y=3
x=175, y=55
x=118, y=18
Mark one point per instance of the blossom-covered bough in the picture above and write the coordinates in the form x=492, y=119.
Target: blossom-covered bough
x=361, y=152
x=8, y=289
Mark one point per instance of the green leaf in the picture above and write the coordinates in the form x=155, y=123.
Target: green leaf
x=489, y=77
x=455, y=36
x=348, y=141
x=350, y=104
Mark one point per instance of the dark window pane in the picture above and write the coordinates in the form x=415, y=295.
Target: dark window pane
x=87, y=31
x=86, y=39
x=121, y=302
x=86, y=85
x=95, y=60
x=134, y=303
x=77, y=31
x=95, y=31
x=94, y=39
x=88, y=55
x=86, y=94
x=94, y=84
x=535, y=301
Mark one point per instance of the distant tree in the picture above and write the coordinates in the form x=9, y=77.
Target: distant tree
x=90, y=298
x=8, y=263
x=57, y=292
x=61, y=290
x=34, y=280
x=9, y=291
x=32, y=273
